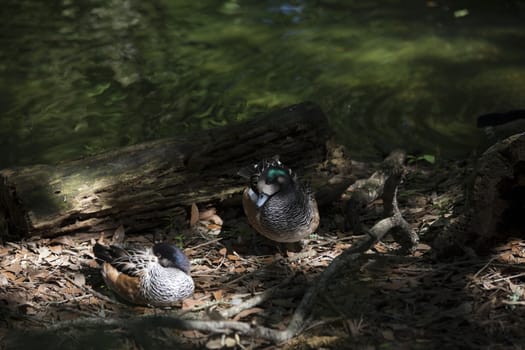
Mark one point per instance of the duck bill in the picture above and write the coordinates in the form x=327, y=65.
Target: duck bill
x=252, y=195
x=263, y=197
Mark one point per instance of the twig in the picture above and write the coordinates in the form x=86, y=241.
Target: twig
x=153, y=321
x=206, y=243
x=260, y=298
x=63, y=301
x=383, y=183
x=208, y=305
x=92, y=291
x=510, y=302
x=483, y=268
x=508, y=277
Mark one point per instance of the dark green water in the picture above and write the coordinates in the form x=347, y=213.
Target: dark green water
x=81, y=76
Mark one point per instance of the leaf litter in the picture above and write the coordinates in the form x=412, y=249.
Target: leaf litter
x=386, y=301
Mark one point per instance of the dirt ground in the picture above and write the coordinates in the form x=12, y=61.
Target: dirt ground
x=48, y=287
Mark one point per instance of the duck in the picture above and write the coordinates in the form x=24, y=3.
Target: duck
x=277, y=204
x=157, y=276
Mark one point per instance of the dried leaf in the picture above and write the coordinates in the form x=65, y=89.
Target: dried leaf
x=230, y=342
x=194, y=217
x=80, y=279
x=341, y=246
x=212, y=229
x=31, y=246
x=14, y=245
x=43, y=252
x=239, y=269
x=219, y=343
x=381, y=248
x=94, y=301
x=73, y=290
x=4, y=251
x=56, y=249
x=388, y=334
x=38, y=274
x=42, y=289
x=216, y=219
x=119, y=235
x=423, y=246
x=63, y=240
x=247, y=312
x=507, y=257
x=92, y=263
x=188, y=304
x=217, y=295
x=191, y=334
x=214, y=344
x=3, y=280
x=15, y=268
x=207, y=214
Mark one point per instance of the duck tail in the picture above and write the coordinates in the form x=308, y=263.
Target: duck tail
x=107, y=254
x=102, y=253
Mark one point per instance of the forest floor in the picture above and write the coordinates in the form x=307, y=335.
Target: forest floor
x=386, y=301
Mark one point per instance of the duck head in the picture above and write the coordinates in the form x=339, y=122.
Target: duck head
x=277, y=204
x=170, y=255
x=267, y=178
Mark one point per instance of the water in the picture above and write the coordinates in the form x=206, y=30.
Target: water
x=78, y=77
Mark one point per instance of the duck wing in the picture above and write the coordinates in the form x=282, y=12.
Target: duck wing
x=131, y=260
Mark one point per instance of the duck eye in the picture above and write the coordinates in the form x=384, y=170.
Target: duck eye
x=281, y=179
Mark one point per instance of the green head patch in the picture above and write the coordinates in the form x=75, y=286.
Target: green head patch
x=273, y=173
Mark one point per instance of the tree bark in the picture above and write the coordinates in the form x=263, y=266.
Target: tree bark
x=494, y=202
x=148, y=185
x=497, y=197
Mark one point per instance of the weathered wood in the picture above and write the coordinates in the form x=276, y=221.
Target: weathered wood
x=147, y=185
x=382, y=183
x=494, y=205
x=497, y=200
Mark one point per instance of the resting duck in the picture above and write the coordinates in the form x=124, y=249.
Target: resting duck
x=277, y=205
x=157, y=276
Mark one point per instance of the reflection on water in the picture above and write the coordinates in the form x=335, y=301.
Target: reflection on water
x=82, y=76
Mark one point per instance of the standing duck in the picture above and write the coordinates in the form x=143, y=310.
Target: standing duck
x=157, y=276
x=277, y=205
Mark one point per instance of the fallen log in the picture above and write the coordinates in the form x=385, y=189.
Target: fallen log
x=150, y=185
x=494, y=202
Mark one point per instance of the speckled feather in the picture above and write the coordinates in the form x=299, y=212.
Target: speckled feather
x=290, y=213
x=138, y=276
